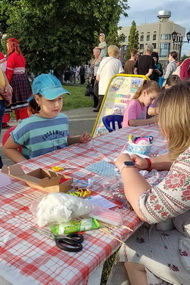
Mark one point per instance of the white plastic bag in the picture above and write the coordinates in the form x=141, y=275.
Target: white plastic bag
x=56, y=208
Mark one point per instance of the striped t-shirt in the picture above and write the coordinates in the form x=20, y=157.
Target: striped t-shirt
x=39, y=135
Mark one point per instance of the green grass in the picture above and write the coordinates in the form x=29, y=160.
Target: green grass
x=77, y=99
x=107, y=268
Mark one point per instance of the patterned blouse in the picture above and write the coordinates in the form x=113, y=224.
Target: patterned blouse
x=171, y=197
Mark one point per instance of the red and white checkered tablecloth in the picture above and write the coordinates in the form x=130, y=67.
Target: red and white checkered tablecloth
x=27, y=257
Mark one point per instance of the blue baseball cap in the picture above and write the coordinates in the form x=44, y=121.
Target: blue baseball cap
x=48, y=86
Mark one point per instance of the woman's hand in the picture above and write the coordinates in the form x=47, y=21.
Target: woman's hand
x=84, y=138
x=140, y=163
x=121, y=159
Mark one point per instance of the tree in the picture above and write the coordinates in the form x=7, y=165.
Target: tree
x=133, y=41
x=184, y=57
x=56, y=34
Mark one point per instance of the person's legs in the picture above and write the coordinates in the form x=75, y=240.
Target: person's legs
x=96, y=83
x=2, y=110
x=21, y=113
x=95, y=101
x=24, y=113
x=5, y=120
x=17, y=114
x=100, y=99
x=136, y=273
x=150, y=256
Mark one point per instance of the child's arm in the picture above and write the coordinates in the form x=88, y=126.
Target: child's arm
x=152, y=111
x=10, y=149
x=131, y=118
x=84, y=138
x=135, y=123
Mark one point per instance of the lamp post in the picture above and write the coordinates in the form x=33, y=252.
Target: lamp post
x=177, y=38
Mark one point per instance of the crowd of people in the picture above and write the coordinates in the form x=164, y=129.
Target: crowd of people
x=153, y=254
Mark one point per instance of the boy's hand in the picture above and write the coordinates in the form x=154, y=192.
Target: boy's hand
x=84, y=138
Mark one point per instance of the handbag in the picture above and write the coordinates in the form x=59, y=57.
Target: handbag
x=89, y=90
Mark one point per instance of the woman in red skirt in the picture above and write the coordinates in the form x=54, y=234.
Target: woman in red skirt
x=18, y=79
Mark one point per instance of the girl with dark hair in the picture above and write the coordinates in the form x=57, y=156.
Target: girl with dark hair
x=158, y=71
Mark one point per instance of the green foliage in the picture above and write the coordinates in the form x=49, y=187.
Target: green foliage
x=133, y=41
x=184, y=57
x=56, y=34
x=77, y=99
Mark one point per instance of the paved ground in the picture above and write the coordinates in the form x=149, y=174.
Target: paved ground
x=80, y=120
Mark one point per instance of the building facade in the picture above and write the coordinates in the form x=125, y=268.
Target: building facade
x=158, y=34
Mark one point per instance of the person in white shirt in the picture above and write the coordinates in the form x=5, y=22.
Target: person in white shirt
x=109, y=66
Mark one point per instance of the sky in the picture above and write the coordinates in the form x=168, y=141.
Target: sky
x=146, y=12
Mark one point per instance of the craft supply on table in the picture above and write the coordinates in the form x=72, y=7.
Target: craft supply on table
x=112, y=230
x=57, y=208
x=59, y=168
x=100, y=201
x=71, y=242
x=107, y=216
x=4, y=180
x=82, y=184
x=111, y=227
x=111, y=235
x=75, y=226
x=103, y=168
x=140, y=144
x=81, y=188
x=82, y=193
x=115, y=190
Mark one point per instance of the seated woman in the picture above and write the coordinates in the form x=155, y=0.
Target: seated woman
x=159, y=254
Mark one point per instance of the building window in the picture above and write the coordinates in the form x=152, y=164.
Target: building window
x=154, y=45
x=164, y=49
x=141, y=46
x=125, y=39
x=142, y=38
x=148, y=37
x=154, y=37
x=165, y=37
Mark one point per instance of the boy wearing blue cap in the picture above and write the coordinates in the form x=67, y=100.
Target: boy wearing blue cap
x=47, y=128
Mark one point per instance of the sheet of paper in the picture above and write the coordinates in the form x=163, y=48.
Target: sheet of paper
x=4, y=180
x=100, y=201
